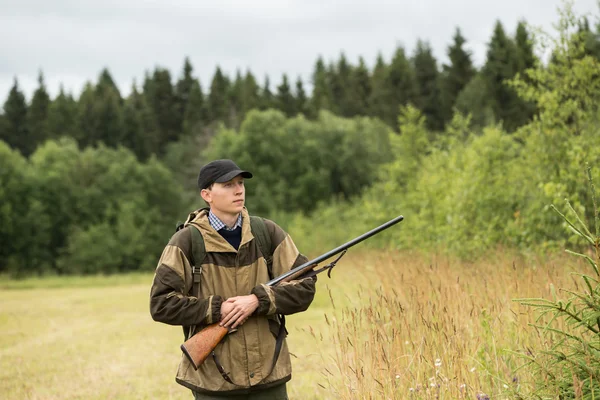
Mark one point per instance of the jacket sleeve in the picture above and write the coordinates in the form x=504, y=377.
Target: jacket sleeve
x=170, y=301
x=287, y=297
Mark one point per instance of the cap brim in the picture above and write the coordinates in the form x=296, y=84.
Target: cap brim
x=230, y=175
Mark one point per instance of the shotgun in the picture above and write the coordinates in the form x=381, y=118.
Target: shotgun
x=198, y=347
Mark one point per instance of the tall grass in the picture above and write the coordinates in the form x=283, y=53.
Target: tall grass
x=427, y=327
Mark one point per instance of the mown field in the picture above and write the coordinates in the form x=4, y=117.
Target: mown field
x=389, y=326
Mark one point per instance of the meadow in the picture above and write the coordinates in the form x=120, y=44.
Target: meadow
x=387, y=326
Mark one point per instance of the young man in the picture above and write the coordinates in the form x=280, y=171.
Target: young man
x=230, y=290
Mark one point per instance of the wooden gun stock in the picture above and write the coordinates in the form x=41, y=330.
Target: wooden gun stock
x=199, y=346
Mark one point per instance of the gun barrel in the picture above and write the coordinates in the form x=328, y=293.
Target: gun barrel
x=335, y=251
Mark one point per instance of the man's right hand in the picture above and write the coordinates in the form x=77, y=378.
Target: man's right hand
x=225, y=309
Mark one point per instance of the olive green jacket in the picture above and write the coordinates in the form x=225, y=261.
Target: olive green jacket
x=247, y=353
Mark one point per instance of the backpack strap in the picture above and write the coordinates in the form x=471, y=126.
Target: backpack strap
x=259, y=230
x=198, y=254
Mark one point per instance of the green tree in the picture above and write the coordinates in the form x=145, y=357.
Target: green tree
x=160, y=95
x=502, y=64
x=321, y=94
x=267, y=99
x=37, y=113
x=140, y=128
x=15, y=130
x=183, y=89
x=218, y=98
x=456, y=75
x=379, y=91
x=236, y=94
x=250, y=94
x=62, y=116
x=284, y=98
x=400, y=86
x=339, y=83
x=196, y=113
x=301, y=99
x=359, y=89
x=428, y=86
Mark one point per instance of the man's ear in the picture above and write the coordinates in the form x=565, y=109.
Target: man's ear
x=206, y=195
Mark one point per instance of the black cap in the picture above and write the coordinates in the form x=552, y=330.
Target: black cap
x=219, y=171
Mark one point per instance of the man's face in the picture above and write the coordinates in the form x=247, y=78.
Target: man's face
x=227, y=197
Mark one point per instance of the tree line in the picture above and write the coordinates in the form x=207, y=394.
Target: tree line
x=162, y=110
x=100, y=198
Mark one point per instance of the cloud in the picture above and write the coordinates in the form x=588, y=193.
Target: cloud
x=71, y=41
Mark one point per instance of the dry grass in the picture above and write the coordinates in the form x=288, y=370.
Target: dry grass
x=386, y=326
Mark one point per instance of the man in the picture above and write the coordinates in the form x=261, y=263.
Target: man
x=230, y=290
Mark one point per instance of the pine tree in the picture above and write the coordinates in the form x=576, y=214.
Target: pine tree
x=62, y=116
x=301, y=99
x=285, y=99
x=37, y=114
x=160, y=95
x=359, y=89
x=428, y=84
x=267, y=100
x=236, y=113
x=195, y=114
x=379, y=91
x=183, y=88
x=321, y=94
x=401, y=86
x=250, y=93
x=15, y=132
x=87, y=129
x=106, y=82
x=140, y=128
x=339, y=82
x=218, y=98
x=108, y=115
x=456, y=75
x=502, y=64
x=524, y=111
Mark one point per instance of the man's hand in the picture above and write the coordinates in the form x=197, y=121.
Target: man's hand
x=235, y=310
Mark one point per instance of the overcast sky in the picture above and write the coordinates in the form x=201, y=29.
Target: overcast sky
x=72, y=40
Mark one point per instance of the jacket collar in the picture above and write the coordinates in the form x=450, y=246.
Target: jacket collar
x=213, y=241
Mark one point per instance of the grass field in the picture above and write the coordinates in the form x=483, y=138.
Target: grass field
x=386, y=326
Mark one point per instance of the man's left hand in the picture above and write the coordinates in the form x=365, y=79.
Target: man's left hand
x=243, y=307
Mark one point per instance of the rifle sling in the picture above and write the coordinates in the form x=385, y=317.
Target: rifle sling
x=278, y=345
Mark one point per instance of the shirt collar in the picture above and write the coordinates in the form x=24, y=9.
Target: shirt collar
x=217, y=224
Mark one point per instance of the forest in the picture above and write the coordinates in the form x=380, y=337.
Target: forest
x=472, y=156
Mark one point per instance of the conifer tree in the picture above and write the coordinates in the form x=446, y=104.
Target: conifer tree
x=195, y=113
x=401, y=86
x=502, y=64
x=236, y=92
x=218, y=98
x=379, y=92
x=456, y=75
x=359, y=89
x=250, y=93
x=285, y=99
x=428, y=86
x=160, y=95
x=339, y=82
x=62, y=116
x=301, y=99
x=321, y=94
x=37, y=113
x=183, y=89
x=267, y=99
x=140, y=128
x=87, y=129
x=106, y=82
x=14, y=130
